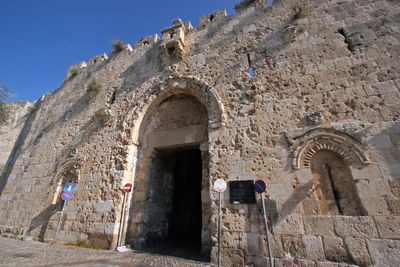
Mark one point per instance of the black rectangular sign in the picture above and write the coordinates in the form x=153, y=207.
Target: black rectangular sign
x=242, y=192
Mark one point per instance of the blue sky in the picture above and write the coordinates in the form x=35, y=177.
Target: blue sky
x=40, y=39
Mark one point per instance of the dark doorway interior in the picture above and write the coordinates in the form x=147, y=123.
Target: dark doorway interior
x=183, y=214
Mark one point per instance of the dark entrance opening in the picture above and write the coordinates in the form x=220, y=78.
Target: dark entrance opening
x=179, y=201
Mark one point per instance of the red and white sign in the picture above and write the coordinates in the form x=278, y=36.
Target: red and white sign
x=128, y=187
x=220, y=185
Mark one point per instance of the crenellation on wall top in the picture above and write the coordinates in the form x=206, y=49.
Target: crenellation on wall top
x=97, y=59
x=74, y=69
x=214, y=16
x=245, y=4
x=148, y=40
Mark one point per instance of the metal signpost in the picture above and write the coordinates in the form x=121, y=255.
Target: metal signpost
x=66, y=195
x=260, y=187
x=127, y=189
x=219, y=186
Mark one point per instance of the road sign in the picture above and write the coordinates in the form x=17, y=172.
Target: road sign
x=66, y=195
x=260, y=186
x=220, y=185
x=128, y=187
x=70, y=187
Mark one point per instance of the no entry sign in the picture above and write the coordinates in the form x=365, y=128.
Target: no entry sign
x=128, y=187
x=260, y=186
x=66, y=195
x=220, y=185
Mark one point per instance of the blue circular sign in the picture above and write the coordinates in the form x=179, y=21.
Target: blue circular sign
x=260, y=186
x=66, y=195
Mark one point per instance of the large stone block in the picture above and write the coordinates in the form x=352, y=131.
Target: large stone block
x=319, y=225
x=358, y=251
x=335, y=249
x=376, y=206
x=361, y=226
x=293, y=246
x=235, y=222
x=313, y=247
x=384, y=252
x=388, y=226
x=370, y=171
x=288, y=224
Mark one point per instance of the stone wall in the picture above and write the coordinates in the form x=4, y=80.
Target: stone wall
x=325, y=81
x=9, y=132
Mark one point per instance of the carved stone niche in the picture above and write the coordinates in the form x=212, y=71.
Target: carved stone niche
x=173, y=41
x=308, y=144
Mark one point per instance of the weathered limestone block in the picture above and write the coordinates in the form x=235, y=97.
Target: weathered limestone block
x=288, y=224
x=394, y=205
x=235, y=222
x=214, y=16
x=335, y=250
x=313, y=247
x=319, y=225
x=147, y=41
x=229, y=257
x=361, y=226
x=374, y=187
x=376, y=206
x=230, y=239
x=358, y=251
x=384, y=252
x=293, y=246
x=388, y=226
x=105, y=206
x=371, y=171
x=97, y=59
x=380, y=142
x=250, y=243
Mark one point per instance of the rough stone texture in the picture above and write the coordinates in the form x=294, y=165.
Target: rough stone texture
x=325, y=81
x=358, y=251
x=9, y=132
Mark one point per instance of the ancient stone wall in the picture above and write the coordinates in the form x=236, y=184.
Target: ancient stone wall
x=318, y=121
x=9, y=132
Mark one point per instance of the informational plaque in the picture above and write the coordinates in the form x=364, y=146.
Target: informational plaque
x=241, y=192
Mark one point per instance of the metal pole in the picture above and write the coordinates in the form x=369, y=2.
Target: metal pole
x=271, y=263
x=124, y=218
x=219, y=231
x=59, y=221
x=122, y=221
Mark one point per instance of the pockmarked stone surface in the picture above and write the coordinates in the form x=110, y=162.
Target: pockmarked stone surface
x=304, y=95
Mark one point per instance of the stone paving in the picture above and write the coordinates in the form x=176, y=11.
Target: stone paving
x=32, y=253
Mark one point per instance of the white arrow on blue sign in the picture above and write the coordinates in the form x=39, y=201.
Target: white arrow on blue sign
x=69, y=187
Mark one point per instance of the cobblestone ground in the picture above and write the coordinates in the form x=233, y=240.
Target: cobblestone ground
x=32, y=253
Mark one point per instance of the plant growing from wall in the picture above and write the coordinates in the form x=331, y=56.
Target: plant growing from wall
x=103, y=115
x=5, y=110
x=118, y=46
x=73, y=72
x=93, y=89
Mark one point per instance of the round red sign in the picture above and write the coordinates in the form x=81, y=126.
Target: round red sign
x=128, y=187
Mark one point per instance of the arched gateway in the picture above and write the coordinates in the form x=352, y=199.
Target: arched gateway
x=171, y=172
